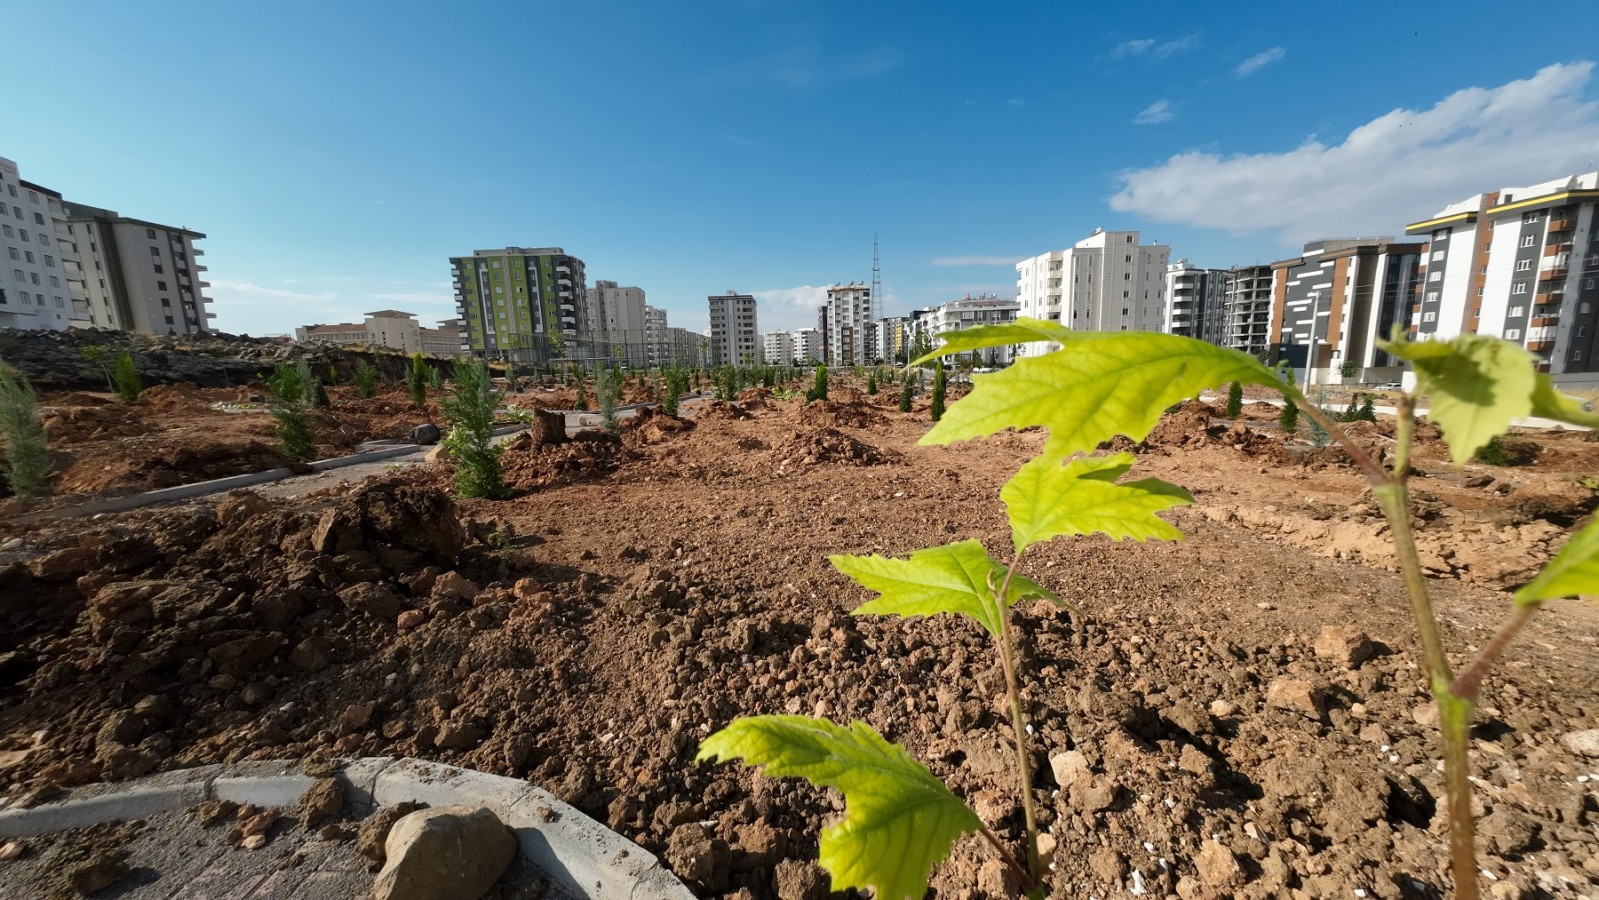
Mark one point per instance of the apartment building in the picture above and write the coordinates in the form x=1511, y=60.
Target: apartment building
x=894, y=340
x=735, y=339
x=1247, y=310
x=655, y=325
x=777, y=348
x=1520, y=263
x=1331, y=305
x=389, y=328
x=41, y=287
x=1108, y=281
x=808, y=346
x=523, y=303
x=139, y=275
x=969, y=312
x=686, y=348
x=618, y=327
x=1196, y=301
x=851, y=317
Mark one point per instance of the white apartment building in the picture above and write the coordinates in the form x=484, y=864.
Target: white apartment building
x=969, y=312
x=734, y=338
x=686, y=348
x=1520, y=263
x=1106, y=282
x=140, y=276
x=390, y=328
x=655, y=336
x=617, y=324
x=1196, y=302
x=777, y=348
x=41, y=284
x=894, y=340
x=808, y=346
x=850, y=332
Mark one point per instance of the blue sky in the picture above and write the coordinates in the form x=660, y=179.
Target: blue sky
x=338, y=154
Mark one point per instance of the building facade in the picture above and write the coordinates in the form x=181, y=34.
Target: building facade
x=851, y=318
x=686, y=348
x=894, y=340
x=41, y=285
x=1519, y=263
x=522, y=303
x=140, y=276
x=1247, y=303
x=777, y=348
x=808, y=346
x=660, y=347
x=391, y=329
x=735, y=338
x=1196, y=302
x=1332, y=304
x=970, y=312
x=1108, y=281
x=618, y=327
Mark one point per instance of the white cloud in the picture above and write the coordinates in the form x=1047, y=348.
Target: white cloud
x=1132, y=48
x=1153, y=47
x=784, y=309
x=975, y=260
x=1397, y=168
x=1156, y=113
x=1260, y=61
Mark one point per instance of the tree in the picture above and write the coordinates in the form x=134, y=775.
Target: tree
x=921, y=346
x=416, y=379
x=126, y=375
x=289, y=404
x=27, y=459
x=818, y=389
x=1235, y=400
x=940, y=381
x=905, y=392
x=470, y=406
x=871, y=381
x=366, y=379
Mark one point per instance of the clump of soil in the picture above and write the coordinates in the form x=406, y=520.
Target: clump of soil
x=1186, y=426
x=649, y=425
x=854, y=413
x=588, y=455
x=811, y=446
x=719, y=410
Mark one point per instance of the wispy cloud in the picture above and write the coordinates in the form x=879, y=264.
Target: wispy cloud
x=975, y=260
x=802, y=68
x=1156, y=113
x=1154, y=48
x=1397, y=168
x=1260, y=61
x=249, y=290
x=747, y=143
x=784, y=309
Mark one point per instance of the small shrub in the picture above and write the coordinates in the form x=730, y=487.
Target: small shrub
x=1368, y=412
x=366, y=380
x=607, y=389
x=319, y=395
x=818, y=389
x=582, y=401
x=905, y=393
x=416, y=380
x=940, y=382
x=1235, y=400
x=470, y=406
x=291, y=396
x=126, y=375
x=27, y=459
x=1288, y=419
x=435, y=378
x=96, y=356
x=871, y=382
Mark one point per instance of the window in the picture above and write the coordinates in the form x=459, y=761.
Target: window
x=150, y=233
x=1527, y=241
x=14, y=253
x=155, y=251
x=1429, y=317
x=159, y=270
x=1523, y=265
x=34, y=276
x=17, y=211
x=1438, y=254
x=1432, y=296
x=1441, y=234
x=60, y=304
x=26, y=300
x=1519, y=288
x=1530, y=218
x=28, y=255
x=1435, y=275
x=33, y=197
x=38, y=218
x=23, y=233
x=44, y=239
x=165, y=302
x=1515, y=311
x=6, y=229
x=49, y=261
x=1513, y=334
x=54, y=281
x=17, y=274
x=160, y=285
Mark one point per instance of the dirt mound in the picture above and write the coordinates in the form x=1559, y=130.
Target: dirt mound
x=811, y=446
x=589, y=455
x=854, y=413
x=66, y=424
x=754, y=393
x=713, y=410
x=168, y=398
x=132, y=465
x=649, y=425
x=1185, y=426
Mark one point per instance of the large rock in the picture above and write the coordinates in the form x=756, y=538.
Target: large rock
x=1345, y=645
x=444, y=853
x=426, y=433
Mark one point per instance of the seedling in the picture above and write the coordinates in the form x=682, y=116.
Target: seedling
x=607, y=389
x=291, y=398
x=1235, y=400
x=818, y=390
x=366, y=379
x=470, y=407
x=940, y=385
x=871, y=382
x=900, y=821
x=416, y=380
x=27, y=457
x=905, y=392
x=126, y=376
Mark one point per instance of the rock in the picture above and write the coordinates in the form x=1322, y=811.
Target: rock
x=997, y=879
x=356, y=716
x=426, y=433
x=694, y=853
x=1297, y=695
x=444, y=853
x=1583, y=743
x=1095, y=794
x=1068, y=767
x=240, y=657
x=1506, y=831
x=438, y=454
x=375, y=599
x=253, y=842
x=800, y=879
x=1217, y=866
x=1108, y=866
x=323, y=800
x=336, y=531
x=312, y=654
x=410, y=619
x=763, y=845
x=239, y=507
x=453, y=586
x=1193, y=761
x=460, y=737
x=101, y=870
x=64, y=564
x=1345, y=645
x=1221, y=709
x=375, y=830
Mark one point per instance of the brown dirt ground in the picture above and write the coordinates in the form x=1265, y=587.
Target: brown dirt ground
x=641, y=592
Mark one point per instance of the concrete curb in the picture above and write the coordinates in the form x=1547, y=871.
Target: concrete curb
x=578, y=855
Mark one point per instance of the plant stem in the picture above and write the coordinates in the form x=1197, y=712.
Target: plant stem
x=1024, y=767
x=1470, y=681
x=1008, y=859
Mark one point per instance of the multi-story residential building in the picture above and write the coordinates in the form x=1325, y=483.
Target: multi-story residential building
x=660, y=348
x=969, y=312
x=851, y=317
x=1331, y=305
x=41, y=285
x=894, y=339
x=1520, y=263
x=1247, y=305
x=1196, y=302
x=686, y=348
x=1106, y=282
x=391, y=329
x=138, y=275
x=618, y=328
x=522, y=303
x=735, y=339
x=808, y=346
x=777, y=348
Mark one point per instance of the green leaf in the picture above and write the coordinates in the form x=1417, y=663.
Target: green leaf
x=899, y=820
x=1021, y=331
x=1474, y=384
x=1098, y=385
x=949, y=579
x=1551, y=404
x=1046, y=499
x=1573, y=571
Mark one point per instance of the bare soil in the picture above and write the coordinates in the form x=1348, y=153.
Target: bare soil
x=643, y=590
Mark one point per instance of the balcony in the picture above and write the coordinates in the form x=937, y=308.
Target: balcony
x=1561, y=224
x=1553, y=273
x=1553, y=295
x=1557, y=248
x=1540, y=346
x=1536, y=321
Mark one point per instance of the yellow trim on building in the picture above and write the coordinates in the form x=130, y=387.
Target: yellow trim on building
x=1563, y=196
x=1433, y=223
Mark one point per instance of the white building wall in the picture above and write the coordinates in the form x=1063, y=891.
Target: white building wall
x=37, y=270
x=851, y=319
x=807, y=345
